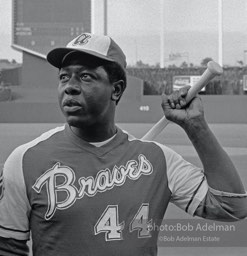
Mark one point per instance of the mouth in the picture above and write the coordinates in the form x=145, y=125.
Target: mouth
x=71, y=105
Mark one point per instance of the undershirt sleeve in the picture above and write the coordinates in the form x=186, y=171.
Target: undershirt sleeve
x=13, y=247
x=222, y=206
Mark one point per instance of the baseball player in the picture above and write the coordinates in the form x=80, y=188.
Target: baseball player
x=90, y=188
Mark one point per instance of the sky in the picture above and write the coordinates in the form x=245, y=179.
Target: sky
x=6, y=52
x=140, y=20
x=180, y=15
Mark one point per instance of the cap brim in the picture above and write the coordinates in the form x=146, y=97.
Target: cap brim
x=55, y=57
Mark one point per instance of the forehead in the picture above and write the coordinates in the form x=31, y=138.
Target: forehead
x=77, y=58
x=78, y=67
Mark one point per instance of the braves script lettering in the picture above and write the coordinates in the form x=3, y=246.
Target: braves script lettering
x=105, y=180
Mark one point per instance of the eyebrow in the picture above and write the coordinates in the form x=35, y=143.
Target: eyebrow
x=79, y=69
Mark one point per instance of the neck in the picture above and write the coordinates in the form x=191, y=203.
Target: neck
x=95, y=133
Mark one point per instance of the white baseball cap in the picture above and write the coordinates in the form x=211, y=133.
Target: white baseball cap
x=99, y=46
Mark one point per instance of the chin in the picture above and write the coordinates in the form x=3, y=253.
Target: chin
x=77, y=121
x=72, y=121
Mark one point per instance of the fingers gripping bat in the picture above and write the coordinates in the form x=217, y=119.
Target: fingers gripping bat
x=213, y=69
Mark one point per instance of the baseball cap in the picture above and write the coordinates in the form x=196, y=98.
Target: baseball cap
x=99, y=46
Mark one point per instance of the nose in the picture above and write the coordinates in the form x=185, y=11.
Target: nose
x=73, y=88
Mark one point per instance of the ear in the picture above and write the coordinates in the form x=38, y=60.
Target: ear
x=118, y=89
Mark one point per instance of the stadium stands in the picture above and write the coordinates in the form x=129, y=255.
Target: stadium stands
x=157, y=80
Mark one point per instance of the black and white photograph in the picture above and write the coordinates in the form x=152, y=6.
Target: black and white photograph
x=123, y=128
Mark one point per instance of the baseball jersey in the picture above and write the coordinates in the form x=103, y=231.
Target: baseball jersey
x=78, y=199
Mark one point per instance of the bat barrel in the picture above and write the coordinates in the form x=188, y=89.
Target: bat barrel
x=213, y=69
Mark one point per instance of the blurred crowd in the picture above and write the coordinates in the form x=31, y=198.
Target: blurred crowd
x=157, y=80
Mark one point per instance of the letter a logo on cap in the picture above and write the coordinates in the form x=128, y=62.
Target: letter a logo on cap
x=82, y=39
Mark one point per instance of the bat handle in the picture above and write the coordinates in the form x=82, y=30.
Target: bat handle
x=156, y=129
x=213, y=69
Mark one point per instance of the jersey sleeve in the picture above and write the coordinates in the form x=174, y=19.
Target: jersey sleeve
x=14, y=204
x=13, y=247
x=223, y=206
x=187, y=183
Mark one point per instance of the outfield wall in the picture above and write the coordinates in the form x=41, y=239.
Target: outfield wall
x=39, y=105
x=218, y=109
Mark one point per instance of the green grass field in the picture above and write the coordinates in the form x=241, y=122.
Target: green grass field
x=233, y=137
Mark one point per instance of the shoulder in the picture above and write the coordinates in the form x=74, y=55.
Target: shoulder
x=163, y=147
x=168, y=153
x=18, y=153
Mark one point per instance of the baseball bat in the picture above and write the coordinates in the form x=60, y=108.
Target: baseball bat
x=213, y=69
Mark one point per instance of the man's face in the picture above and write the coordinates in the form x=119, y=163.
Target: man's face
x=84, y=94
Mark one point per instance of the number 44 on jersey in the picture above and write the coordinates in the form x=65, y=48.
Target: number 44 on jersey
x=109, y=224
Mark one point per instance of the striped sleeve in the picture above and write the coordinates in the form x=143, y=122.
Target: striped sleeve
x=186, y=182
x=14, y=204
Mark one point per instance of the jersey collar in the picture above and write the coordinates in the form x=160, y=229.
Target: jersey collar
x=110, y=144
